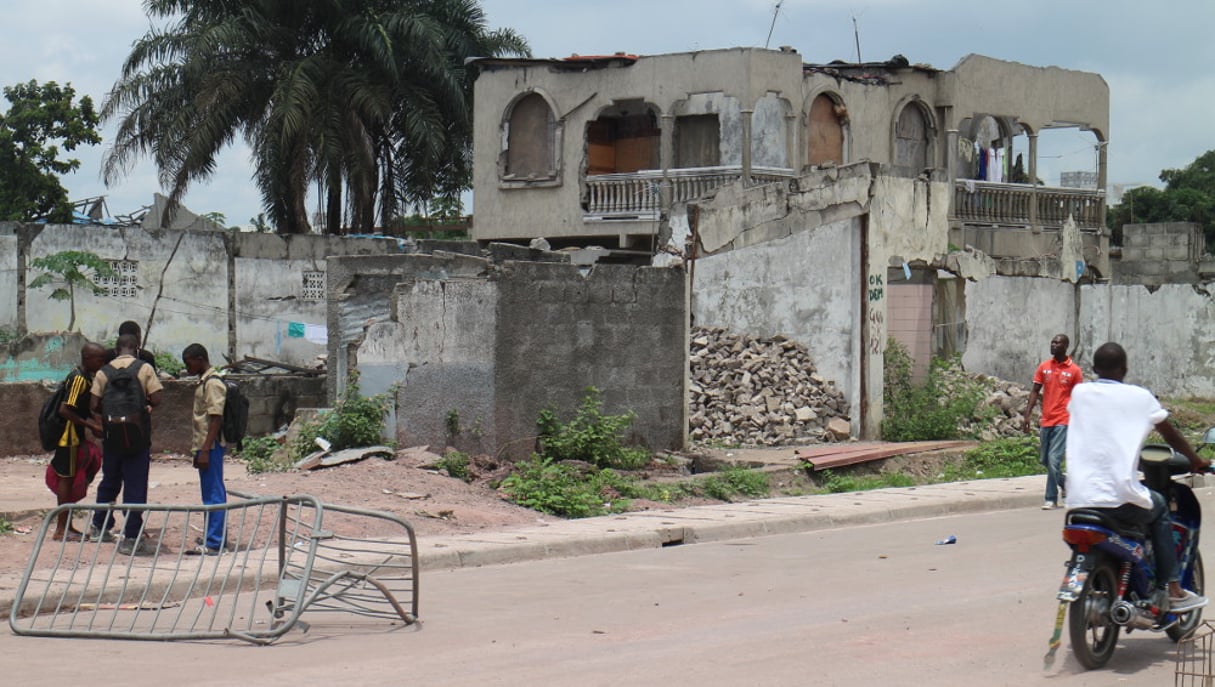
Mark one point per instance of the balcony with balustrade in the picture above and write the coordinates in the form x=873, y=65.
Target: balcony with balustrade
x=637, y=196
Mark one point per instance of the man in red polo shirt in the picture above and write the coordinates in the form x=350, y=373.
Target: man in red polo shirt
x=1053, y=380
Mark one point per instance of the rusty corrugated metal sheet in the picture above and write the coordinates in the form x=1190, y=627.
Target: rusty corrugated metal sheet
x=834, y=456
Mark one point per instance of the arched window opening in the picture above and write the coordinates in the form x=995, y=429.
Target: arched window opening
x=531, y=139
x=825, y=132
x=911, y=151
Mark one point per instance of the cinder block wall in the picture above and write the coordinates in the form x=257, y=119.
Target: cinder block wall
x=1162, y=253
x=272, y=402
x=619, y=328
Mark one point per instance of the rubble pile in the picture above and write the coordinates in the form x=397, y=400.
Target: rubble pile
x=998, y=415
x=760, y=392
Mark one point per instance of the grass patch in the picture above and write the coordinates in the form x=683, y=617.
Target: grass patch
x=6, y=527
x=733, y=482
x=1015, y=457
x=835, y=483
x=259, y=455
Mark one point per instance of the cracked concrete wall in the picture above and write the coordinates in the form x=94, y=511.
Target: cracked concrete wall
x=8, y=276
x=1166, y=331
x=189, y=292
x=234, y=294
x=829, y=242
x=562, y=328
x=802, y=285
x=1010, y=322
x=481, y=349
x=447, y=335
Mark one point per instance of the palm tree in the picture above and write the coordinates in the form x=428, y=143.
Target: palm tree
x=368, y=99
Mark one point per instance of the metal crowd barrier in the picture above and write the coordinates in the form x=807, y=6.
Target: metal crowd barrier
x=282, y=557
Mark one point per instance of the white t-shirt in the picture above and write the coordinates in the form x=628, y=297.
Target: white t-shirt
x=1109, y=421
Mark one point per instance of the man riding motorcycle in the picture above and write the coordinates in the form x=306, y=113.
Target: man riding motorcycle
x=1109, y=421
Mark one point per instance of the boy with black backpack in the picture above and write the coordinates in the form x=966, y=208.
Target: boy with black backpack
x=124, y=393
x=207, y=443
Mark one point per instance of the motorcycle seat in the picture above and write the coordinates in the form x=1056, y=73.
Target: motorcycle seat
x=1103, y=517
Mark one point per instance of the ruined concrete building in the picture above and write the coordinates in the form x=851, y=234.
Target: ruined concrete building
x=837, y=204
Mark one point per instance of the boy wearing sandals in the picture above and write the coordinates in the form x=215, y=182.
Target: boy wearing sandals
x=206, y=444
x=72, y=455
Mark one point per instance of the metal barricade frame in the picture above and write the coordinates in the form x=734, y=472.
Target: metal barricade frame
x=283, y=559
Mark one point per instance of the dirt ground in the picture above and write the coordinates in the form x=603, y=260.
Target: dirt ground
x=407, y=486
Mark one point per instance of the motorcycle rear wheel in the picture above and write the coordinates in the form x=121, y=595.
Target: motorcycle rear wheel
x=1093, y=634
x=1189, y=622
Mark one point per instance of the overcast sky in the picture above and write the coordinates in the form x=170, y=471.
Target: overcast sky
x=1156, y=57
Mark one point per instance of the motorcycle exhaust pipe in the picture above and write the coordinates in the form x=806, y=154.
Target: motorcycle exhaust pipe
x=1125, y=613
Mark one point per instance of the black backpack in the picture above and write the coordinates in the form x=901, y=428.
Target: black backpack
x=235, y=421
x=50, y=423
x=124, y=406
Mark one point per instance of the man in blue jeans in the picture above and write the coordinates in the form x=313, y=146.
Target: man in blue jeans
x=1054, y=380
x=206, y=444
x=1109, y=421
x=118, y=387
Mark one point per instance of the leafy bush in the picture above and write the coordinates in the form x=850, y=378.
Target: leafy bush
x=933, y=409
x=733, y=482
x=590, y=436
x=353, y=421
x=558, y=489
x=168, y=363
x=455, y=464
x=6, y=527
x=258, y=454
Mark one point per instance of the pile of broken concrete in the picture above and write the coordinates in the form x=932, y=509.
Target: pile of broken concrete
x=999, y=415
x=751, y=391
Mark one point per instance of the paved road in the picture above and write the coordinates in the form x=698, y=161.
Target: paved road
x=863, y=605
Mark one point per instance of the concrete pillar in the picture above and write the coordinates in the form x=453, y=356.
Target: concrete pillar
x=1034, y=225
x=793, y=126
x=746, y=146
x=666, y=158
x=951, y=167
x=1102, y=150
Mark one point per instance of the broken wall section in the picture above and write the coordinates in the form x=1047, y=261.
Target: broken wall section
x=476, y=349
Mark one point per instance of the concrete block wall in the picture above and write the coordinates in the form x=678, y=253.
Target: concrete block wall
x=1160, y=253
x=272, y=401
x=487, y=347
x=618, y=328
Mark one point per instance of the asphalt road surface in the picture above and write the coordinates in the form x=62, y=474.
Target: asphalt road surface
x=877, y=605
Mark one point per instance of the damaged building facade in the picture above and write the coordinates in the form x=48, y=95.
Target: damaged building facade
x=838, y=204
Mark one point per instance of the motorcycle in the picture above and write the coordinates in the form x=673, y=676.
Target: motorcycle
x=1110, y=583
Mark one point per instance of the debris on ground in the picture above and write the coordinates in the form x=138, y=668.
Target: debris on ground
x=755, y=391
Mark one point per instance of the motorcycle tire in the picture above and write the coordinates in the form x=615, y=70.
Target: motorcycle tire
x=1189, y=622
x=1092, y=633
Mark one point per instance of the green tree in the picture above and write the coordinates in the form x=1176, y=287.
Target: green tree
x=368, y=99
x=70, y=269
x=40, y=120
x=1188, y=196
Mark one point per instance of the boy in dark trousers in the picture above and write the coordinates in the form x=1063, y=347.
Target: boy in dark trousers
x=123, y=470
x=71, y=455
x=206, y=443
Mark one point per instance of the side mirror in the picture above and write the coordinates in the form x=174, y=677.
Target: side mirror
x=1208, y=439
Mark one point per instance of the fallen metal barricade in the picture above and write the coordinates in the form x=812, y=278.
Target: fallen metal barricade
x=1194, y=667
x=282, y=557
